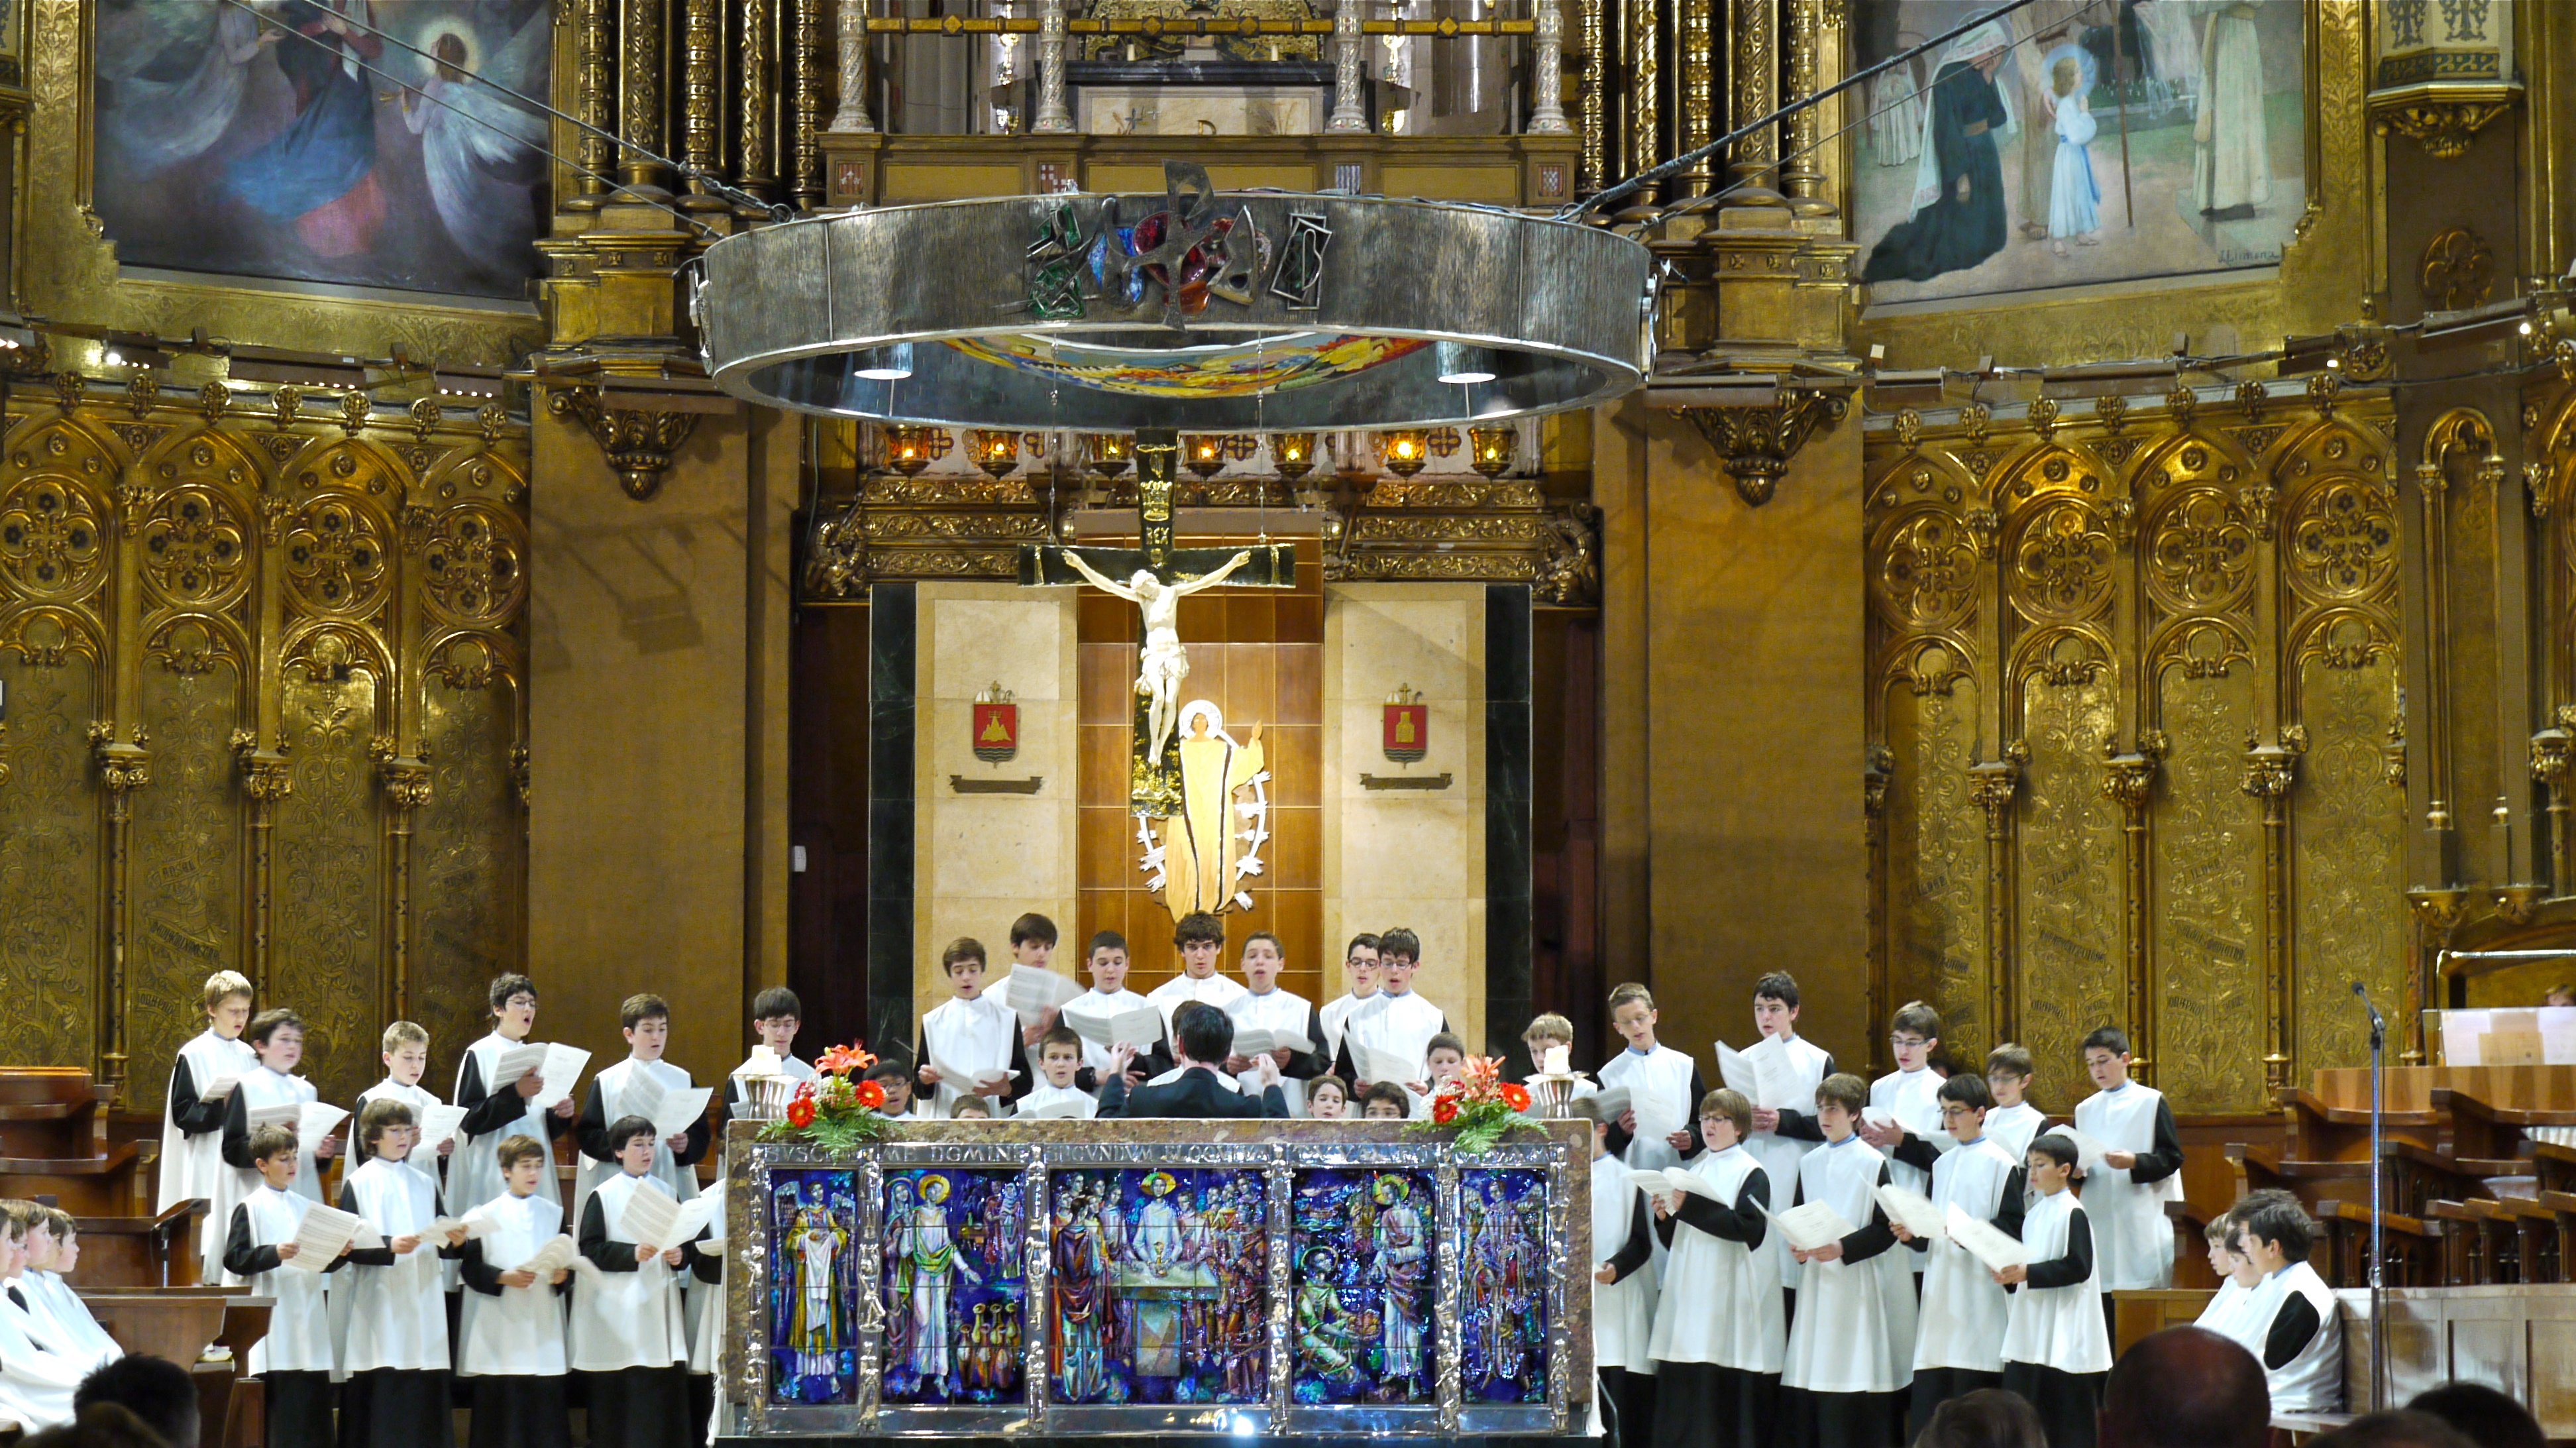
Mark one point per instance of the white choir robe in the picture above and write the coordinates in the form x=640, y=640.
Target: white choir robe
x=261, y=1087
x=2312, y=1380
x=2133, y=1241
x=1084, y=1103
x=2014, y=1128
x=702, y=1293
x=1668, y=1073
x=391, y=1316
x=1334, y=1015
x=1961, y=1325
x=1780, y=1155
x=299, y=1336
x=2225, y=1315
x=1855, y=1327
x=1623, y=1312
x=1720, y=1332
x=1399, y=1025
x=418, y=1098
x=1282, y=1010
x=520, y=1331
x=1101, y=1006
x=36, y=1383
x=2056, y=1344
x=54, y=1302
x=610, y=1087
x=982, y=1035
x=474, y=1171
x=623, y=1316
x=1220, y=991
x=192, y=1151
x=1914, y=1099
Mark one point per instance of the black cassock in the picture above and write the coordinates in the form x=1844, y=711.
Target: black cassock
x=1951, y=234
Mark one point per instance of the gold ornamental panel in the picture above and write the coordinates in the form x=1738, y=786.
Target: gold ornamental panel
x=2208, y=954
x=329, y=864
x=1935, y=841
x=2345, y=813
x=2069, y=869
x=49, y=848
x=187, y=846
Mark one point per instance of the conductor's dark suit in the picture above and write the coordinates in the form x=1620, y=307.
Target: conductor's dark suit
x=1198, y=1093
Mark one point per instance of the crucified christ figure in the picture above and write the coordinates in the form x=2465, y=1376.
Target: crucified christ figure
x=1161, y=664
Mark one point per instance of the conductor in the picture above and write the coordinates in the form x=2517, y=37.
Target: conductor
x=1203, y=1037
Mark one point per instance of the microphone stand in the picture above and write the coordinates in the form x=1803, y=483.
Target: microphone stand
x=2378, y=1201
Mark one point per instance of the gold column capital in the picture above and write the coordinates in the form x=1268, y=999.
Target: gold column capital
x=638, y=441
x=1757, y=441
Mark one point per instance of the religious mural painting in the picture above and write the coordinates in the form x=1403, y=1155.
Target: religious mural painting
x=2076, y=141
x=1503, y=1285
x=813, y=1286
x=954, y=1286
x=1160, y=1287
x=326, y=140
x=1364, y=1320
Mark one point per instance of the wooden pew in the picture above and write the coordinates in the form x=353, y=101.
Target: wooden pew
x=179, y=1324
x=53, y=1143
x=141, y=1251
x=2414, y=1244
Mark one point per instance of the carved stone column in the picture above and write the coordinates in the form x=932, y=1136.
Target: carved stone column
x=1756, y=84
x=1591, y=105
x=2269, y=769
x=701, y=99
x=1993, y=784
x=639, y=95
x=2549, y=758
x=1695, y=102
x=595, y=99
x=1348, y=47
x=1642, y=43
x=755, y=62
x=122, y=769
x=1053, y=117
x=1800, y=173
x=2130, y=780
x=266, y=778
x=804, y=110
x=853, y=115
x=2438, y=912
x=407, y=787
x=1547, y=70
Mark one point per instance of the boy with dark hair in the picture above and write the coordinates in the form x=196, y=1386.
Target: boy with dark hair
x=1785, y=1133
x=776, y=1015
x=2290, y=1319
x=1397, y=1022
x=277, y=1038
x=1206, y=1038
x=2013, y=1122
x=637, y=1086
x=1267, y=1007
x=628, y=1337
x=192, y=1118
x=895, y=1079
x=493, y=1113
x=393, y=1321
x=1108, y=999
x=1654, y=1072
x=1719, y=1335
x=1059, y=1060
x=974, y=1031
x=2056, y=1348
x=297, y=1358
x=1384, y=1101
x=1360, y=963
x=1033, y=938
x=1958, y=1339
x=1200, y=938
x=2140, y=1172
x=510, y=1337
x=155, y=1390
x=1851, y=1350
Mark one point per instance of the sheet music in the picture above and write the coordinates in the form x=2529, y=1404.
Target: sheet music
x=1658, y=1115
x=714, y=1197
x=681, y=1111
x=1652, y=1183
x=515, y=1062
x=1373, y=1064
x=1050, y=1111
x=1913, y=1211
x=1766, y=1078
x=219, y=1088
x=2089, y=1148
x=1249, y=1044
x=562, y=1070
x=1811, y=1226
x=315, y=1120
x=438, y=1126
x=1141, y=1028
x=473, y=1224
x=557, y=1254
x=320, y=1236
x=952, y=1074
x=1985, y=1241
x=652, y=1219
x=1033, y=993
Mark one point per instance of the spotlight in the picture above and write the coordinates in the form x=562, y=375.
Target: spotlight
x=1462, y=364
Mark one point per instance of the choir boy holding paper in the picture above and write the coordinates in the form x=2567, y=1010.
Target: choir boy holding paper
x=1110, y=1015
x=1959, y=1331
x=1656, y=1130
x=510, y=1347
x=1359, y=962
x=970, y=1044
x=392, y=1312
x=1719, y=1335
x=1783, y=1130
x=776, y=1014
x=2141, y=1169
x=1281, y=1023
x=1200, y=938
x=406, y=1057
x=645, y=1085
x=1851, y=1350
x=192, y=1121
x=2014, y=1123
x=629, y=1337
x=2057, y=1349
x=1623, y=1294
x=1904, y=1116
x=272, y=1095
x=1397, y=1024
x=1059, y=1061
x=265, y=1246
x=501, y=1084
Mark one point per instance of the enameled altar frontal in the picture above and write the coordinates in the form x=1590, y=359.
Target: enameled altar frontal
x=1272, y=1279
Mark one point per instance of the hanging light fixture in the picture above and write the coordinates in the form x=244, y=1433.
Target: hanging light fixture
x=995, y=449
x=1490, y=449
x=1403, y=451
x=1292, y=453
x=908, y=450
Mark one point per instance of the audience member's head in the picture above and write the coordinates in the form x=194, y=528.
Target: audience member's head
x=2186, y=1387
x=2395, y=1430
x=100, y=1425
x=1986, y=1418
x=2489, y=1417
x=156, y=1390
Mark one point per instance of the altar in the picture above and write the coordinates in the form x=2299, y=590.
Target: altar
x=1303, y=1280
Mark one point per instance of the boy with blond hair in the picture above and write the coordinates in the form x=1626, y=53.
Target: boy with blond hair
x=192, y=1119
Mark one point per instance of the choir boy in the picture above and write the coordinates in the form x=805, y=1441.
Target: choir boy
x=973, y=1031
x=1442, y=1060
x=2133, y=1243
x=192, y=1120
x=1265, y=1007
x=1033, y=938
x=1398, y=1022
x=295, y=1360
x=2057, y=1348
x=511, y=1331
x=1200, y=938
x=36, y=1383
x=1910, y=1095
x=1851, y=1350
x=1359, y=962
x=1059, y=1061
x=1109, y=997
x=1623, y=1296
x=2014, y=1122
x=495, y=1115
x=1720, y=1336
x=646, y=1023
x=1782, y=1138
x=393, y=1322
x=895, y=1079
x=2288, y=1319
x=1383, y=1101
x=1647, y=1067
x=277, y=1038
x=703, y=1299
x=776, y=1015
x=53, y=1248
x=628, y=1337
x=2237, y=1277
x=1328, y=1098
x=406, y=1057
x=1958, y=1339
x=971, y=1108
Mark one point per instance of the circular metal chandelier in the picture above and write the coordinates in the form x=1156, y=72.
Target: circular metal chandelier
x=1236, y=312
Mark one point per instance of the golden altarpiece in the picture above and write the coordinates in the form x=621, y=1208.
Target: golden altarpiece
x=2168, y=650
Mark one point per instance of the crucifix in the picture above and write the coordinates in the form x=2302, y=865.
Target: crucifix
x=1155, y=575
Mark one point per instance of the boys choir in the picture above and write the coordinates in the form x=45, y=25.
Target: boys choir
x=1823, y=1266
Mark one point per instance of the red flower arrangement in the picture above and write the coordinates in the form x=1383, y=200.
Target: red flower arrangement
x=1478, y=1105
x=832, y=1109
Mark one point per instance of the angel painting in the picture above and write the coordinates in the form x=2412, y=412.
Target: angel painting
x=393, y=143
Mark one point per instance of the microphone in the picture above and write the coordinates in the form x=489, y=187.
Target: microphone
x=2376, y=1022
